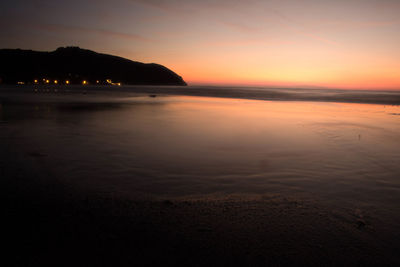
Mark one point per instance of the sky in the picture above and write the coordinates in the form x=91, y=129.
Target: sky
x=279, y=43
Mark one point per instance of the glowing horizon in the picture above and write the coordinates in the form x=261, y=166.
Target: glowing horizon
x=309, y=43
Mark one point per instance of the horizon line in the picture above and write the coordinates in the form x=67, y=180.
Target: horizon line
x=283, y=86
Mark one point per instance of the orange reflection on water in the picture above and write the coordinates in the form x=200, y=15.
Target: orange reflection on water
x=286, y=117
x=252, y=131
x=182, y=146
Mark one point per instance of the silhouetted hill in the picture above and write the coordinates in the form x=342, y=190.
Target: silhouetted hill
x=77, y=65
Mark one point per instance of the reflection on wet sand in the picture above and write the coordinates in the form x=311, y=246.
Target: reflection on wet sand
x=302, y=171
x=253, y=146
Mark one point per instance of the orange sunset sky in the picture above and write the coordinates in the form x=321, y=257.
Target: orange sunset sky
x=296, y=43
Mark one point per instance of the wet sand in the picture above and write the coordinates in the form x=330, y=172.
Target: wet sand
x=73, y=193
x=48, y=224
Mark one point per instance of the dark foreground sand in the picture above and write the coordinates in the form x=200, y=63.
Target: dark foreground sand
x=49, y=224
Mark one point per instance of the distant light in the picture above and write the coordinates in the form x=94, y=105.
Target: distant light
x=36, y=81
x=47, y=81
x=55, y=82
x=97, y=81
x=67, y=82
x=109, y=81
x=20, y=83
x=84, y=82
x=119, y=84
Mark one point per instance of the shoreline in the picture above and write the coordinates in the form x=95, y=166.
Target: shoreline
x=250, y=93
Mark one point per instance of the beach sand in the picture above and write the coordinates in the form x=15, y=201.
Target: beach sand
x=73, y=196
x=46, y=224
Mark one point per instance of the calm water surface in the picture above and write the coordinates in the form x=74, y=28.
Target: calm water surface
x=185, y=146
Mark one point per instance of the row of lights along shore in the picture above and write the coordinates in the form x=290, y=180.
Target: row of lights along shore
x=67, y=82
